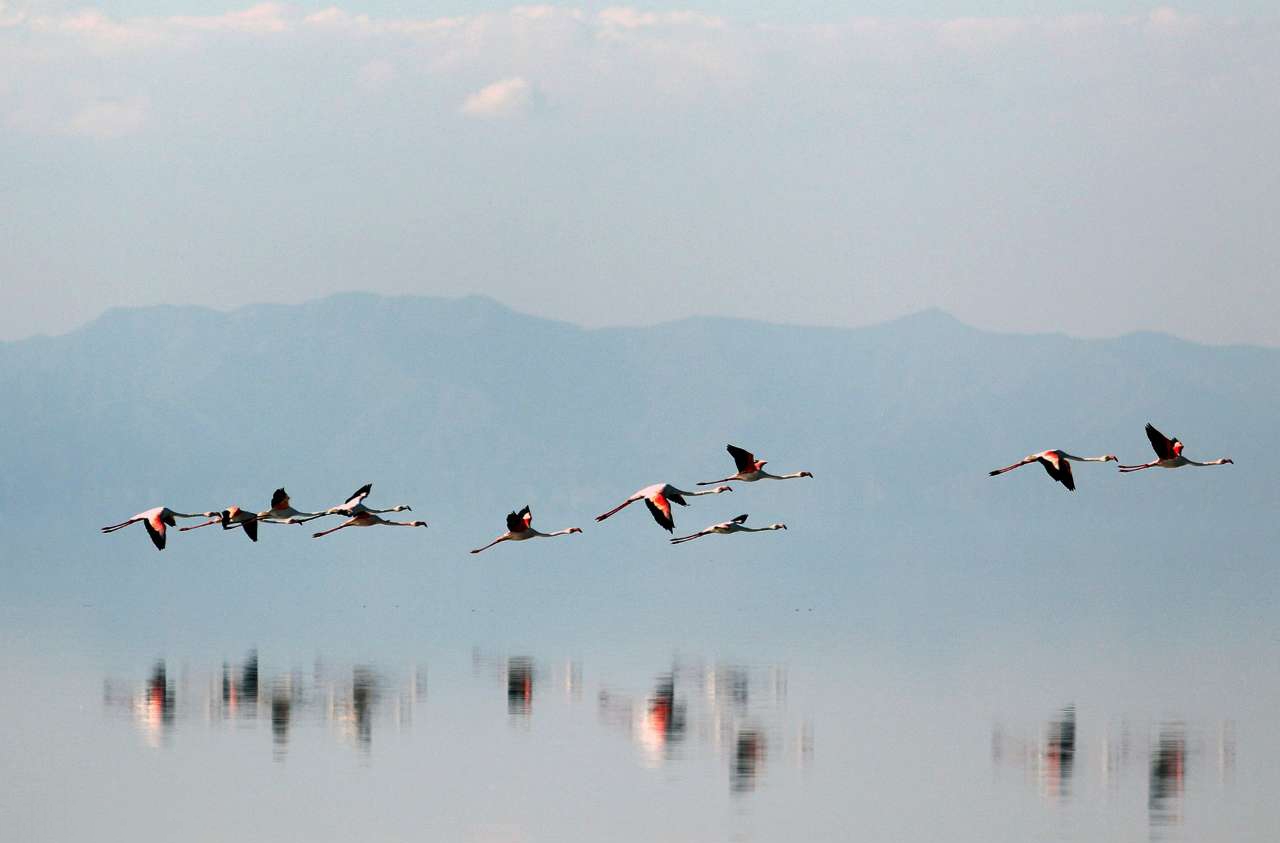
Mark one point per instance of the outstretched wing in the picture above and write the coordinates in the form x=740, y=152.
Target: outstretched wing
x=518, y=522
x=742, y=458
x=660, y=509
x=741, y=519
x=1059, y=469
x=251, y=528
x=279, y=499
x=156, y=530
x=1162, y=444
x=359, y=495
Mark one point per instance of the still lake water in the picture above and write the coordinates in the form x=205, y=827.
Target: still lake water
x=341, y=720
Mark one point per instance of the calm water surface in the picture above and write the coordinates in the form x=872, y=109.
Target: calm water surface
x=514, y=724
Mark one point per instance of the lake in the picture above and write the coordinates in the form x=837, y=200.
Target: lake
x=330, y=717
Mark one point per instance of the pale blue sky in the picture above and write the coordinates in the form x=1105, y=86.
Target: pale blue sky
x=1084, y=167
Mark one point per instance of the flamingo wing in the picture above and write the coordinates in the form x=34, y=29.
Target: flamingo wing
x=660, y=509
x=279, y=499
x=251, y=529
x=742, y=458
x=359, y=495
x=1163, y=445
x=1059, y=469
x=518, y=522
x=155, y=529
x=741, y=519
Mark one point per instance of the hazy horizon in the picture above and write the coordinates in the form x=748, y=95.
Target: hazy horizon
x=1089, y=168
x=516, y=309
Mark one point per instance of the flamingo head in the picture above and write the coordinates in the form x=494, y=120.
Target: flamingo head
x=806, y=474
x=575, y=530
x=419, y=523
x=1111, y=458
x=403, y=507
x=777, y=526
x=720, y=489
x=1228, y=461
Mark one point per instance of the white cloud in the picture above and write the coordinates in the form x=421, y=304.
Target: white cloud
x=505, y=98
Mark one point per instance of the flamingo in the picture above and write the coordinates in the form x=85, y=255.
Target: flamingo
x=354, y=506
x=1057, y=463
x=230, y=518
x=751, y=469
x=1169, y=453
x=156, y=520
x=282, y=513
x=368, y=519
x=726, y=527
x=659, y=498
x=519, y=528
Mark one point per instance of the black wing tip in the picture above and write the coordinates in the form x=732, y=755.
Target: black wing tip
x=741, y=518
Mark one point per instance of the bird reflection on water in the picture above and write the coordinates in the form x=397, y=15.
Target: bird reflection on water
x=731, y=715
x=1169, y=756
x=733, y=711
x=1168, y=775
x=350, y=703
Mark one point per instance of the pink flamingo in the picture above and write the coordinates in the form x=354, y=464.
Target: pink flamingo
x=1057, y=463
x=658, y=498
x=1169, y=453
x=156, y=520
x=751, y=469
x=520, y=528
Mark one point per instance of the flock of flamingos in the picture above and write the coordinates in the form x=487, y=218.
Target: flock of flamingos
x=658, y=498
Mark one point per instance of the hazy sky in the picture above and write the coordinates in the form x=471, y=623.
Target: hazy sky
x=1079, y=166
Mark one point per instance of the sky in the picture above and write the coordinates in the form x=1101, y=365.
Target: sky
x=1080, y=167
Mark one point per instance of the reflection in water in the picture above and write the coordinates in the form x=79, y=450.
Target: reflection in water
x=748, y=760
x=734, y=711
x=1168, y=773
x=519, y=686
x=349, y=701
x=1060, y=754
x=1168, y=761
x=727, y=712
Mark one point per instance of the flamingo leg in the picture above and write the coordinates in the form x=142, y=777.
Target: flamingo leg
x=334, y=529
x=617, y=508
x=198, y=526
x=121, y=525
x=1019, y=464
x=1126, y=469
x=689, y=538
x=492, y=543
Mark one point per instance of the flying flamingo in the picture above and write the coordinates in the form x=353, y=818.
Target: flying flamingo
x=1057, y=464
x=659, y=498
x=751, y=469
x=156, y=521
x=368, y=519
x=230, y=518
x=1169, y=453
x=727, y=527
x=282, y=513
x=519, y=528
x=354, y=505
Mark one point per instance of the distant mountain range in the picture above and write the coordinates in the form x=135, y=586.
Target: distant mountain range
x=466, y=410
